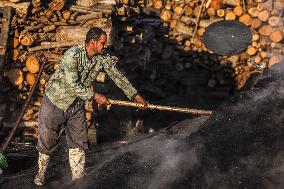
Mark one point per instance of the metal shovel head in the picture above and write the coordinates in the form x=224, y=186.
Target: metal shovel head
x=227, y=37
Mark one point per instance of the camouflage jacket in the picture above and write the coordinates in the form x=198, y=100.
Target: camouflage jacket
x=76, y=72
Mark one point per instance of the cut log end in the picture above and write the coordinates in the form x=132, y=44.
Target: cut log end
x=251, y=51
x=276, y=36
x=32, y=64
x=246, y=19
x=166, y=15
x=265, y=30
x=263, y=15
x=56, y=5
x=158, y=4
x=230, y=16
x=30, y=78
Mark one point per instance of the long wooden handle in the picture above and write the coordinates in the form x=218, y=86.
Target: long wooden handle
x=159, y=107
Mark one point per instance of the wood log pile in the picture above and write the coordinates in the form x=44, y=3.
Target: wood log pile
x=170, y=33
x=158, y=43
x=43, y=28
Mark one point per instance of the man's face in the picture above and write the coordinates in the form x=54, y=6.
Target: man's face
x=99, y=46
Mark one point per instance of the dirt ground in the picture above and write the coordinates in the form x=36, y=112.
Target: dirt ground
x=240, y=146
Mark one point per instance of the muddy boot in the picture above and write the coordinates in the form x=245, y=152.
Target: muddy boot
x=77, y=162
x=43, y=160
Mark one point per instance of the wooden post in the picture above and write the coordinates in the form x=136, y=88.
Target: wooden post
x=5, y=29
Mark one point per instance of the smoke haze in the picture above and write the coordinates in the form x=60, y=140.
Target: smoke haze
x=240, y=146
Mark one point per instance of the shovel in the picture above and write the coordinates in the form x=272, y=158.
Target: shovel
x=159, y=107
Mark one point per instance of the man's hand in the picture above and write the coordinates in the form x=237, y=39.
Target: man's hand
x=141, y=100
x=101, y=99
x=91, y=88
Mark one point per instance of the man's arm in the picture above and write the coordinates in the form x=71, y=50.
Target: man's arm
x=121, y=81
x=74, y=86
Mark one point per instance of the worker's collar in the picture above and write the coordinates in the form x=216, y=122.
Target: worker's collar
x=88, y=57
x=85, y=50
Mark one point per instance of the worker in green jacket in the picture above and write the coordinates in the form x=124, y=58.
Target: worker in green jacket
x=63, y=102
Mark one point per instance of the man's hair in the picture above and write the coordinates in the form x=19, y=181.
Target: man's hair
x=94, y=33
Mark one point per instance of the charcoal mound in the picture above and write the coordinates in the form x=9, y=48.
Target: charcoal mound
x=240, y=146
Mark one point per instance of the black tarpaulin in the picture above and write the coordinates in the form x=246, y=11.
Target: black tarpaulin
x=227, y=37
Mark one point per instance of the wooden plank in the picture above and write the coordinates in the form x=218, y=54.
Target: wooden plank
x=98, y=8
x=6, y=14
x=21, y=8
x=1, y=47
x=5, y=29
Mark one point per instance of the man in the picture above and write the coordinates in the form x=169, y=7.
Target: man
x=63, y=102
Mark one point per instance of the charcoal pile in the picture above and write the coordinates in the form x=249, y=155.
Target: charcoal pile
x=240, y=146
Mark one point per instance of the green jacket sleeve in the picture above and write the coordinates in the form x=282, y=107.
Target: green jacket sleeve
x=119, y=79
x=73, y=84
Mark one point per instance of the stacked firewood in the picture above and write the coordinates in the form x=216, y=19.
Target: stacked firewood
x=45, y=28
x=184, y=22
x=41, y=28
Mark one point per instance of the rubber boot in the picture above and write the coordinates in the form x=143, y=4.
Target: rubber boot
x=43, y=160
x=77, y=162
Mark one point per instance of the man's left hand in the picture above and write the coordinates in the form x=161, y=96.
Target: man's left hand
x=141, y=100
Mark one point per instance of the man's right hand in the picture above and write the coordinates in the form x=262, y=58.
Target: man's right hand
x=101, y=99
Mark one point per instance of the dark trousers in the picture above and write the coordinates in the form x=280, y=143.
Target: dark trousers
x=50, y=118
